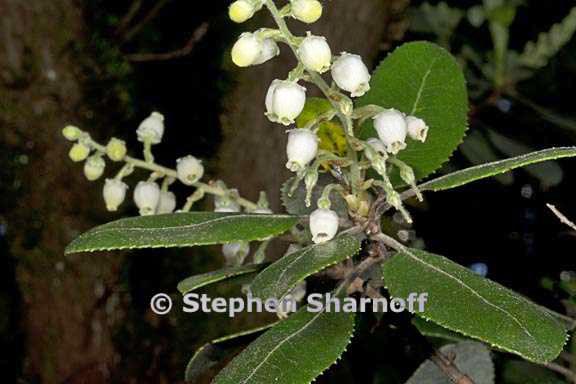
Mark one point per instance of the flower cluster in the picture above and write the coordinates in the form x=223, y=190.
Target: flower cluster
x=356, y=173
x=286, y=100
x=152, y=195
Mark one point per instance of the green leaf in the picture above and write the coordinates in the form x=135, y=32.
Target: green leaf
x=209, y=354
x=474, y=306
x=483, y=171
x=424, y=80
x=472, y=358
x=478, y=150
x=198, y=281
x=549, y=173
x=181, y=230
x=295, y=351
x=431, y=329
x=281, y=277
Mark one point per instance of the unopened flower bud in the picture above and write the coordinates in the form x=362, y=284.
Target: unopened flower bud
x=242, y=10
x=167, y=203
x=79, y=152
x=392, y=130
x=351, y=74
x=236, y=252
x=301, y=149
x=247, y=49
x=407, y=175
x=114, y=193
x=227, y=204
x=315, y=53
x=323, y=225
x=71, y=133
x=151, y=129
x=307, y=11
x=116, y=149
x=285, y=101
x=94, y=167
x=417, y=128
x=269, y=51
x=189, y=169
x=146, y=197
x=263, y=205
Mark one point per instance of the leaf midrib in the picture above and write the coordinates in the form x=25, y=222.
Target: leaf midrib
x=288, y=338
x=422, y=85
x=524, y=329
x=186, y=226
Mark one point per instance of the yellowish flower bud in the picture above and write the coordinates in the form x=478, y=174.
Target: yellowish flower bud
x=307, y=11
x=241, y=11
x=94, y=167
x=79, y=152
x=247, y=49
x=71, y=133
x=116, y=149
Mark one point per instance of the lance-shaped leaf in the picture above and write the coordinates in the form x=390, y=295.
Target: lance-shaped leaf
x=468, y=175
x=198, y=281
x=211, y=353
x=281, y=277
x=296, y=351
x=464, y=302
x=424, y=80
x=181, y=230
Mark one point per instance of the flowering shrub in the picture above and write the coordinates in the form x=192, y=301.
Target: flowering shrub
x=398, y=125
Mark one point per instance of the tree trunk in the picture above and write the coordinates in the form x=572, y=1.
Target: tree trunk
x=253, y=152
x=45, y=200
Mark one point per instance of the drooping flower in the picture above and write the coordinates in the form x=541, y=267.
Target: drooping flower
x=301, y=149
x=351, y=74
x=417, y=128
x=151, y=129
x=323, y=225
x=146, y=197
x=189, y=169
x=285, y=101
x=315, y=53
x=167, y=203
x=392, y=129
x=114, y=193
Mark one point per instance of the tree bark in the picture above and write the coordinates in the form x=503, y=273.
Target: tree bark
x=45, y=200
x=252, y=156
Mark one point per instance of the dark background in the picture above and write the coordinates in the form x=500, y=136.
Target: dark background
x=55, y=329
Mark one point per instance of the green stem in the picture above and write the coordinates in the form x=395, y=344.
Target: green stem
x=315, y=78
x=162, y=171
x=148, y=156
